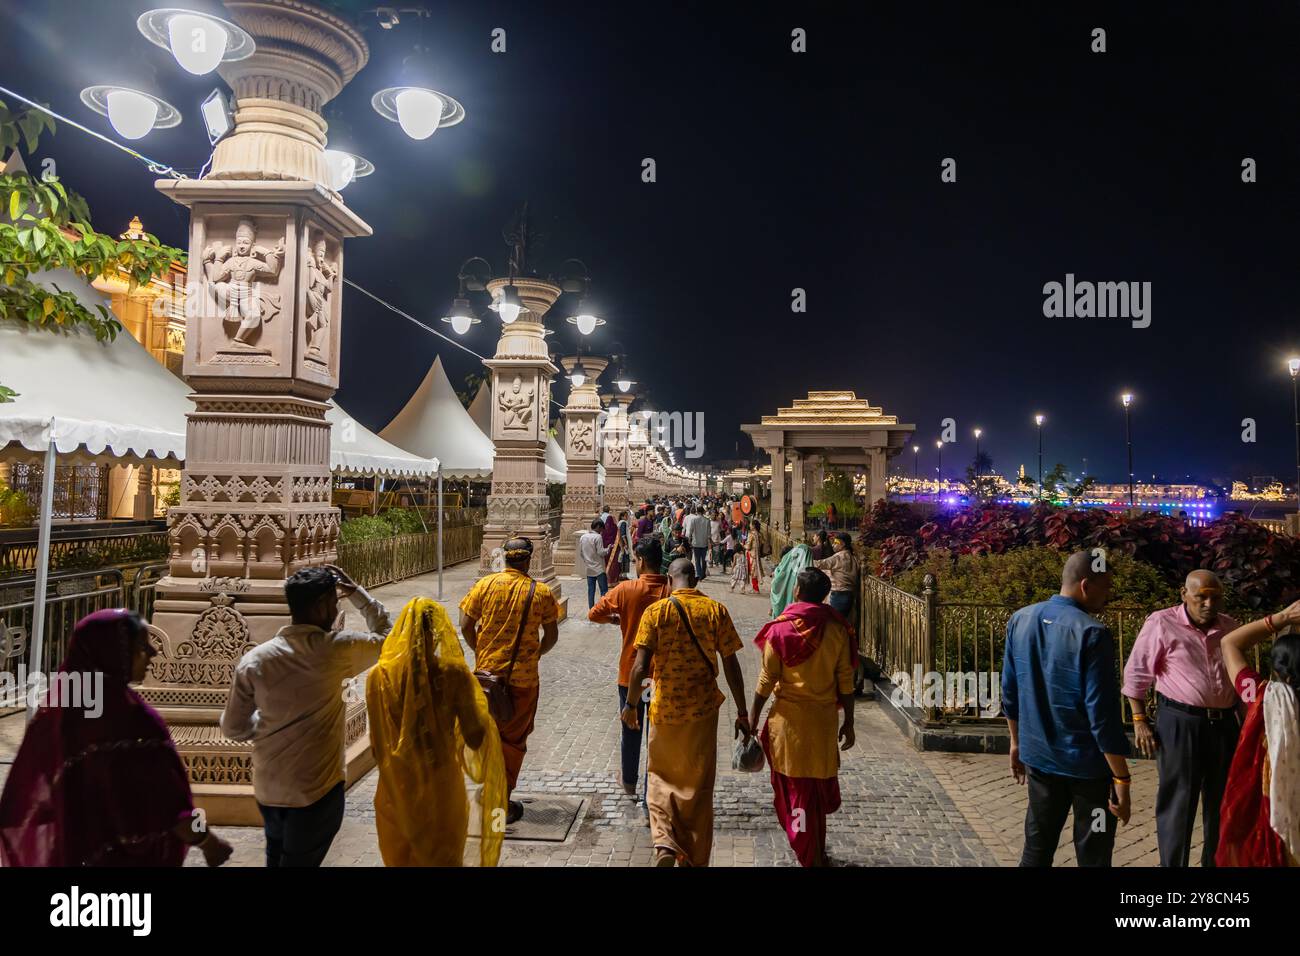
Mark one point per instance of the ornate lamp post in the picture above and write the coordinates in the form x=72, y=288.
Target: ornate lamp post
x=262, y=357
x=582, y=449
x=938, y=471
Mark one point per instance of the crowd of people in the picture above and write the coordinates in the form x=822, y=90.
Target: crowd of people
x=1222, y=735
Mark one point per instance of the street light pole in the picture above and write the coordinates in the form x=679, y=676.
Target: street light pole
x=1038, y=420
x=938, y=470
x=977, y=452
x=1127, y=399
x=1294, y=367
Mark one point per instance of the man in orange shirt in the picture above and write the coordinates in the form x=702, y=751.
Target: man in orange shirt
x=623, y=605
x=501, y=618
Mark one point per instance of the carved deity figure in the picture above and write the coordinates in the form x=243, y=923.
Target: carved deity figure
x=321, y=275
x=580, y=437
x=517, y=404
x=235, y=276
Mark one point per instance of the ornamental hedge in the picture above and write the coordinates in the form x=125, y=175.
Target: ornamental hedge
x=1258, y=568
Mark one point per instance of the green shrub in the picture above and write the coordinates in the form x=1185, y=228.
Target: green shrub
x=1028, y=575
x=404, y=521
x=364, y=528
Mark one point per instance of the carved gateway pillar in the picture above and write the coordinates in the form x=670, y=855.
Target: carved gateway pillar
x=616, y=451
x=521, y=397
x=582, y=449
x=262, y=356
x=637, y=489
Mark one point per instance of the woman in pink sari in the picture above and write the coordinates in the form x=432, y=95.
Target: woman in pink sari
x=809, y=658
x=101, y=784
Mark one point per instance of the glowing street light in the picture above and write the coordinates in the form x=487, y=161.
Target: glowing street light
x=419, y=111
x=200, y=43
x=344, y=167
x=508, y=305
x=131, y=112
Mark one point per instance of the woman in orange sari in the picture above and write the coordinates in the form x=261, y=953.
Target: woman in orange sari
x=1259, y=822
x=430, y=729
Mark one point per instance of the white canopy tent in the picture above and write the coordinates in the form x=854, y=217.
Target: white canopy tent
x=434, y=424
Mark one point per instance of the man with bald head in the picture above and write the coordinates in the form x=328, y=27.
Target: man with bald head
x=681, y=638
x=1062, y=705
x=510, y=621
x=1196, y=723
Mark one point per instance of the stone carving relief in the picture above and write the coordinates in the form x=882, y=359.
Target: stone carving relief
x=580, y=437
x=321, y=276
x=614, y=453
x=517, y=404
x=236, y=276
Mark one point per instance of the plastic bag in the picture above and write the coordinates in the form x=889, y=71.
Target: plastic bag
x=747, y=756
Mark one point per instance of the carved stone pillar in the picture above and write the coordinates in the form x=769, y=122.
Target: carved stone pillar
x=877, y=483
x=637, y=455
x=616, y=451
x=521, y=399
x=262, y=356
x=582, y=449
x=143, y=506
x=797, y=507
x=778, y=516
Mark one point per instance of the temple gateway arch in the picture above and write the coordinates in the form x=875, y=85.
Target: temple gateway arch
x=825, y=429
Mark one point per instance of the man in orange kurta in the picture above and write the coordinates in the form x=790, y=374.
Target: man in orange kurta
x=623, y=605
x=683, y=636
x=808, y=663
x=491, y=618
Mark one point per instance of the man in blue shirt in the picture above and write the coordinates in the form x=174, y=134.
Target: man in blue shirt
x=1060, y=695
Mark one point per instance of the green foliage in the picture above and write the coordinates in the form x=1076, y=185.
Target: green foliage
x=1028, y=575
x=15, y=510
x=7, y=394
x=46, y=226
x=404, y=521
x=472, y=382
x=172, y=497
x=836, y=490
x=364, y=528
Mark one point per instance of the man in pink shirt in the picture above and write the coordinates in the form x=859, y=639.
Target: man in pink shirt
x=1196, y=716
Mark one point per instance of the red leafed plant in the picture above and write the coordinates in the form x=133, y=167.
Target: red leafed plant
x=1259, y=568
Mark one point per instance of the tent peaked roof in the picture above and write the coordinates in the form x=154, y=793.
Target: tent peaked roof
x=108, y=399
x=356, y=450
x=434, y=424
x=481, y=409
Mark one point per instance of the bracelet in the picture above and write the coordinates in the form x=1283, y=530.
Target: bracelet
x=1268, y=622
x=1127, y=779
x=1139, y=718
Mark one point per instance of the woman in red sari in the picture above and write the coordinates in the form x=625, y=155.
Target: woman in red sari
x=101, y=784
x=1259, y=822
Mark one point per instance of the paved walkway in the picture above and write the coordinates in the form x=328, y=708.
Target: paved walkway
x=900, y=807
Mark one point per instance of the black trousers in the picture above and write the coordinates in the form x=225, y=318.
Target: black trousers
x=1193, y=758
x=301, y=836
x=1051, y=798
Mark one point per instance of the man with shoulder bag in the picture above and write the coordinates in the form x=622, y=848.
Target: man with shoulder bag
x=501, y=619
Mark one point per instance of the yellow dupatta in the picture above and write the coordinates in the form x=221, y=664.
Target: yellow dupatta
x=423, y=702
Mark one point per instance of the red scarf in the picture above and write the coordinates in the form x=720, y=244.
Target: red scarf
x=796, y=632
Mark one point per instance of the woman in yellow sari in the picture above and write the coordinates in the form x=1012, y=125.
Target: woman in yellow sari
x=430, y=729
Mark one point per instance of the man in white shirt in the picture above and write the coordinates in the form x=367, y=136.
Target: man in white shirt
x=695, y=529
x=287, y=698
x=591, y=558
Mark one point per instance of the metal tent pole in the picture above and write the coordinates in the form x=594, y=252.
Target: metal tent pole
x=36, y=667
x=439, y=531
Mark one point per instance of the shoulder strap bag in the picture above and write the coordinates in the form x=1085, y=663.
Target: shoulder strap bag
x=686, y=621
x=496, y=687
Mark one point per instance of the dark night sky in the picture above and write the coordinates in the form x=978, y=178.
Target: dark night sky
x=819, y=171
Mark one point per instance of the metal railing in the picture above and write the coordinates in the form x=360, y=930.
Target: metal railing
x=68, y=598
x=386, y=560
x=961, y=644
x=91, y=552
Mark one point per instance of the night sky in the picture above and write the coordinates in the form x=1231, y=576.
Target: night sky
x=820, y=171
